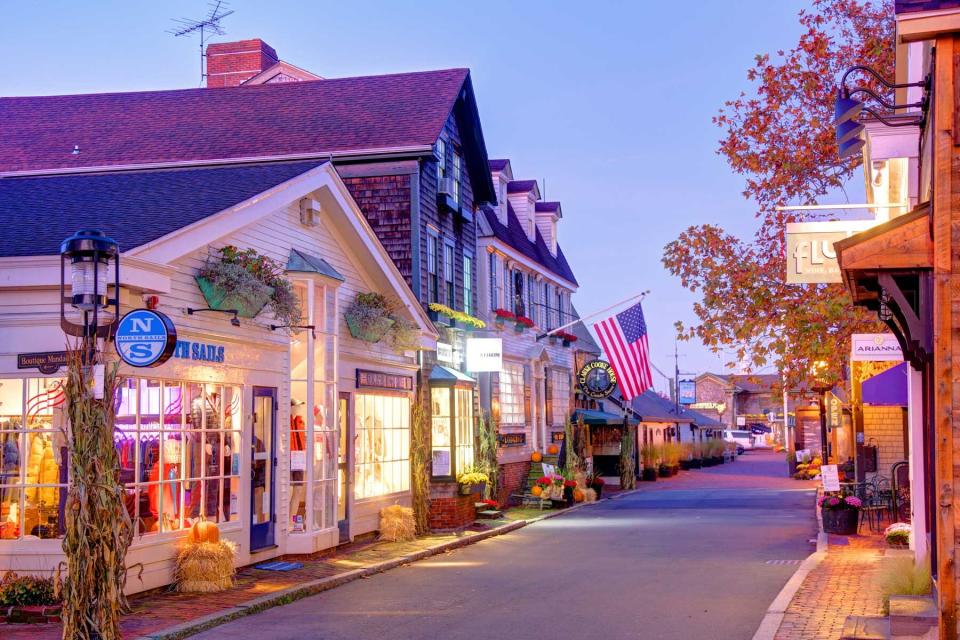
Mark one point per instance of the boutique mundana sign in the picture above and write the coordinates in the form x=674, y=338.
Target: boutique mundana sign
x=145, y=338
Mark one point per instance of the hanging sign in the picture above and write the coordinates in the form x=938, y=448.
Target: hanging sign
x=811, y=257
x=47, y=362
x=484, y=354
x=511, y=439
x=367, y=379
x=145, y=338
x=597, y=379
x=875, y=346
x=687, y=391
x=444, y=352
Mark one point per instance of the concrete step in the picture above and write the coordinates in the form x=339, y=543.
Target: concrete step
x=490, y=514
x=912, y=615
x=865, y=628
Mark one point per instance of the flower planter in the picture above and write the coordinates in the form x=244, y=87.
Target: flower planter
x=499, y=322
x=685, y=465
x=222, y=300
x=466, y=489
x=649, y=474
x=372, y=331
x=567, y=343
x=840, y=521
x=568, y=495
x=674, y=469
x=519, y=328
x=696, y=463
x=598, y=488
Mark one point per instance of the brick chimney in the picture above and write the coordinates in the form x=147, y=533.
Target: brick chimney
x=229, y=64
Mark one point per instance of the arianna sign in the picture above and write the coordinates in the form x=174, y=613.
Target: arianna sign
x=875, y=346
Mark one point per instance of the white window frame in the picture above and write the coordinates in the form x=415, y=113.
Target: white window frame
x=512, y=406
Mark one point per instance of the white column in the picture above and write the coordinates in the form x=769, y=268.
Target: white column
x=917, y=488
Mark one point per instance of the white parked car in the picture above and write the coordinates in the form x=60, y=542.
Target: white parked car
x=742, y=438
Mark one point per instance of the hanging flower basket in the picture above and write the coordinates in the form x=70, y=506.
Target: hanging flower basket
x=369, y=317
x=244, y=280
x=220, y=298
x=369, y=331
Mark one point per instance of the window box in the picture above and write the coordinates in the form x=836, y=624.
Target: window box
x=247, y=306
x=446, y=202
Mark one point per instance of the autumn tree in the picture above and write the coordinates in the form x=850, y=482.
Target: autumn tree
x=780, y=137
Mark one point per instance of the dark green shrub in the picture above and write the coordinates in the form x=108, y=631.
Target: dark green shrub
x=25, y=591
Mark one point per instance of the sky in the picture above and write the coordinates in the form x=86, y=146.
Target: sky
x=607, y=103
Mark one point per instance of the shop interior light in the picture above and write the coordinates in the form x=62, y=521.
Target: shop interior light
x=94, y=261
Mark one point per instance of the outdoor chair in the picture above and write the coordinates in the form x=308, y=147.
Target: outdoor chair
x=873, y=507
x=900, y=472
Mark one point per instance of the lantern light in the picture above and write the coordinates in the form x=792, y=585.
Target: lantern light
x=93, y=259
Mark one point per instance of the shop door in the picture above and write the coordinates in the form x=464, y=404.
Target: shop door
x=344, y=464
x=263, y=468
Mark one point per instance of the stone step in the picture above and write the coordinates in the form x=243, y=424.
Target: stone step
x=865, y=628
x=490, y=514
x=912, y=615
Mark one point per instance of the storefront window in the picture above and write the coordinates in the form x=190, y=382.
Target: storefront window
x=313, y=442
x=560, y=396
x=383, y=444
x=33, y=466
x=179, y=449
x=464, y=431
x=452, y=432
x=511, y=394
x=440, y=415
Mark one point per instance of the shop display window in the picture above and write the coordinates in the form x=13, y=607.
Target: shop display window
x=179, y=446
x=452, y=430
x=559, y=396
x=511, y=394
x=33, y=458
x=312, y=438
x=382, y=444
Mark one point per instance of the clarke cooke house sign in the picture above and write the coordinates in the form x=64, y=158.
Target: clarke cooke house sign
x=597, y=379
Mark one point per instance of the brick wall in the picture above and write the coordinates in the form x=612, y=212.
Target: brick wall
x=883, y=426
x=385, y=202
x=512, y=479
x=230, y=63
x=449, y=510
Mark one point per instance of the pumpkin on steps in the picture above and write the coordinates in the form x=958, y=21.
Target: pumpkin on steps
x=536, y=490
x=553, y=449
x=203, y=531
x=536, y=456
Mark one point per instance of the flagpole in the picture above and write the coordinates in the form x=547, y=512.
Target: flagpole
x=641, y=296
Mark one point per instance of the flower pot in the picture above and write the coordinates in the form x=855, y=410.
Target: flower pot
x=568, y=495
x=685, y=465
x=466, y=489
x=598, y=488
x=566, y=343
x=373, y=331
x=696, y=463
x=674, y=469
x=664, y=471
x=649, y=474
x=519, y=328
x=499, y=322
x=219, y=298
x=840, y=521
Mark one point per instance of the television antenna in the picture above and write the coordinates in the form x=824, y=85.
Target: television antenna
x=207, y=27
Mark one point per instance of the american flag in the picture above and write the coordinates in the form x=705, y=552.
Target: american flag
x=624, y=339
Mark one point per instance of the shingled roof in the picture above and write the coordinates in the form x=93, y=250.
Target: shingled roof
x=132, y=207
x=514, y=236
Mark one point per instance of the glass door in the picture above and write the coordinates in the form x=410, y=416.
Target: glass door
x=344, y=464
x=262, y=467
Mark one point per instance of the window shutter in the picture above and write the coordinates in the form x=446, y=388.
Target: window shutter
x=548, y=398
x=526, y=393
x=493, y=282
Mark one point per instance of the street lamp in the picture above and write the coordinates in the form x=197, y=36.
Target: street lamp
x=93, y=259
x=821, y=385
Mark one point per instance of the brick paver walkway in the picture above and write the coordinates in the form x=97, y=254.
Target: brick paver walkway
x=844, y=584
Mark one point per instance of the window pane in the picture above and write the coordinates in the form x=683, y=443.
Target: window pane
x=379, y=419
x=511, y=394
x=440, y=413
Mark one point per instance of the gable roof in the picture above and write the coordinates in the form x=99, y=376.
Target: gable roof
x=499, y=164
x=522, y=186
x=307, y=263
x=515, y=237
x=653, y=408
x=132, y=207
x=403, y=112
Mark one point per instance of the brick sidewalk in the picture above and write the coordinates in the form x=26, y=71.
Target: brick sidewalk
x=843, y=584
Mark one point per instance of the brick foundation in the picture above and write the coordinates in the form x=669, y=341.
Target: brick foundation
x=449, y=510
x=512, y=479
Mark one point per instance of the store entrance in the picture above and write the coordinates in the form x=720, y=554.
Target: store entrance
x=344, y=464
x=263, y=467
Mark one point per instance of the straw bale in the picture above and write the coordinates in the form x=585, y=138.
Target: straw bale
x=205, y=567
x=397, y=524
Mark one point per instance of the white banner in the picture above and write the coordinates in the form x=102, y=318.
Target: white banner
x=484, y=354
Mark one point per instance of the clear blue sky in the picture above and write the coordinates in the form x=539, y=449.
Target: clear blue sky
x=609, y=102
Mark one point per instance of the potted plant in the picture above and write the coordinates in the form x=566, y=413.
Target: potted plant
x=247, y=282
x=897, y=535
x=840, y=515
x=522, y=324
x=472, y=477
x=568, y=486
x=649, y=456
x=696, y=455
x=568, y=338
x=369, y=317
x=501, y=316
x=595, y=482
x=455, y=318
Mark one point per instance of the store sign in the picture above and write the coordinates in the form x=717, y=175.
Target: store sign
x=875, y=346
x=687, y=391
x=484, y=354
x=511, y=439
x=741, y=421
x=597, y=379
x=199, y=351
x=835, y=412
x=145, y=338
x=719, y=407
x=47, y=362
x=367, y=379
x=556, y=436
x=444, y=352
x=811, y=257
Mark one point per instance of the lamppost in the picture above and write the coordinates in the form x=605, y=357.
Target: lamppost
x=91, y=256
x=821, y=385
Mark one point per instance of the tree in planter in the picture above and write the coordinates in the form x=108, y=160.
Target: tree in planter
x=98, y=527
x=781, y=138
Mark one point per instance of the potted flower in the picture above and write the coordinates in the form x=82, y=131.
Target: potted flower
x=840, y=514
x=649, y=456
x=369, y=317
x=567, y=338
x=245, y=281
x=522, y=324
x=897, y=535
x=501, y=316
x=471, y=477
x=595, y=482
x=696, y=455
x=568, y=487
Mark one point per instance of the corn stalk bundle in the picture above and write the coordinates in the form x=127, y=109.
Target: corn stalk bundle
x=487, y=449
x=628, y=467
x=420, y=463
x=98, y=527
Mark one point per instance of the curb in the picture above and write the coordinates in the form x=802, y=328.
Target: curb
x=778, y=608
x=286, y=596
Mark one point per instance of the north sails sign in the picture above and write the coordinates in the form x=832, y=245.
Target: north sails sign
x=875, y=346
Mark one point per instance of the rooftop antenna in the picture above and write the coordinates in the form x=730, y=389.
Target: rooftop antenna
x=207, y=27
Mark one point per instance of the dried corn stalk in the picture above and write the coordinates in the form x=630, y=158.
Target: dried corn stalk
x=420, y=462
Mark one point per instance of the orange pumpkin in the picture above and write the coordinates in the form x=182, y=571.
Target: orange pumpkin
x=578, y=495
x=536, y=491
x=536, y=456
x=203, y=531
x=553, y=449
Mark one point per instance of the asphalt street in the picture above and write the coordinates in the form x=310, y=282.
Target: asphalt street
x=701, y=555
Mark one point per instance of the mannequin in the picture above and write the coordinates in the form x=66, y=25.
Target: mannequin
x=298, y=491
x=171, y=490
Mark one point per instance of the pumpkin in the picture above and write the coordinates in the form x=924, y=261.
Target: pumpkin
x=553, y=449
x=536, y=456
x=578, y=495
x=536, y=491
x=203, y=531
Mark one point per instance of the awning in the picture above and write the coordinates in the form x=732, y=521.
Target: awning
x=887, y=389
x=445, y=375
x=595, y=417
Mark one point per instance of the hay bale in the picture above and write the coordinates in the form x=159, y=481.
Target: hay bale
x=589, y=495
x=397, y=524
x=205, y=567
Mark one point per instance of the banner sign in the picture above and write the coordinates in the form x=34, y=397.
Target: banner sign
x=367, y=379
x=811, y=257
x=875, y=346
x=47, y=362
x=687, y=391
